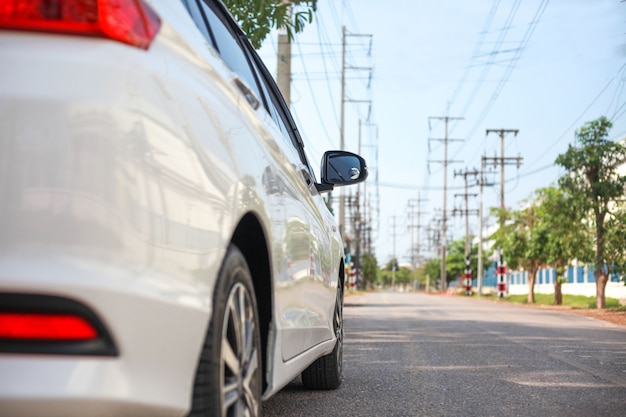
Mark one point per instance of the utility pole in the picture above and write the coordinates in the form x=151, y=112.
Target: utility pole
x=367, y=216
x=342, y=141
x=283, y=67
x=503, y=161
x=445, y=162
x=394, y=258
x=415, y=211
x=482, y=183
x=355, y=214
x=466, y=211
x=468, y=270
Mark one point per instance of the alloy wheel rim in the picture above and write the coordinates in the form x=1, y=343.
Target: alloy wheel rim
x=239, y=358
x=339, y=330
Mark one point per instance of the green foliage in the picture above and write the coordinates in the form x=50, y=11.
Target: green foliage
x=404, y=276
x=562, y=224
x=615, y=239
x=596, y=188
x=517, y=238
x=455, y=264
x=432, y=269
x=575, y=301
x=513, y=236
x=591, y=167
x=563, y=228
x=369, y=269
x=258, y=17
x=391, y=265
x=455, y=260
x=392, y=273
x=549, y=231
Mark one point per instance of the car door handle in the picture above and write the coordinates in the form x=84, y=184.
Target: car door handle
x=308, y=178
x=247, y=92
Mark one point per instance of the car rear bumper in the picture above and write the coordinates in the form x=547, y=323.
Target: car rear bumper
x=152, y=320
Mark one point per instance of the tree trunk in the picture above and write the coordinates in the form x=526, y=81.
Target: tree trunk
x=601, y=280
x=601, y=277
x=560, y=272
x=558, y=294
x=531, y=290
x=532, y=273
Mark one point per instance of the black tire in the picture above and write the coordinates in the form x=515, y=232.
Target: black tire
x=326, y=372
x=228, y=377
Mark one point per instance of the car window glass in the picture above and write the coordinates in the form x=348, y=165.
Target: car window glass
x=246, y=64
x=272, y=108
x=281, y=124
x=277, y=108
x=230, y=49
x=196, y=15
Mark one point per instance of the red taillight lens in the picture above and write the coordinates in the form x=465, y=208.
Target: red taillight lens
x=31, y=326
x=129, y=21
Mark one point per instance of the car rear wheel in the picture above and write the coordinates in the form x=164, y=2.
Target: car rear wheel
x=228, y=378
x=326, y=372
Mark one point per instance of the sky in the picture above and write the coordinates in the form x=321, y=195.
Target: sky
x=541, y=67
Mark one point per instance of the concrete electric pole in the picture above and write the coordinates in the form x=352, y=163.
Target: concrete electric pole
x=283, y=66
x=503, y=161
x=445, y=162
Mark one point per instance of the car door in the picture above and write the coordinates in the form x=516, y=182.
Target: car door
x=303, y=301
x=306, y=300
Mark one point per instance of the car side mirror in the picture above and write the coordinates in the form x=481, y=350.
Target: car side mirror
x=341, y=168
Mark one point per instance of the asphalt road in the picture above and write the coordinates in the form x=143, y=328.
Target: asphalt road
x=410, y=354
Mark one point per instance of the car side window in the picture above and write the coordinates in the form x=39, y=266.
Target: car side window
x=272, y=107
x=196, y=15
x=244, y=61
x=229, y=48
x=279, y=110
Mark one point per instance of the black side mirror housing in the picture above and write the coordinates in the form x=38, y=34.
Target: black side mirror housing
x=341, y=168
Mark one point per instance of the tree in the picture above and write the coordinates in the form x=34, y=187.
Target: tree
x=616, y=241
x=592, y=179
x=564, y=234
x=258, y=17
x=403, y=276
x=521, y=242
x=369, y=269
x=455, y=260
x=429, y=272
x=388, y=273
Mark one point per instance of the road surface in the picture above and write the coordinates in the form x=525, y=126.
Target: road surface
x=411, y=354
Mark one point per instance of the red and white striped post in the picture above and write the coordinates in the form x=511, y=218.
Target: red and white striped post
x=468, y=276
x=352, y=277
x=501, y=277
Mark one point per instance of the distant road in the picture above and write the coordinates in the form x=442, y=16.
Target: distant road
x=410, y=354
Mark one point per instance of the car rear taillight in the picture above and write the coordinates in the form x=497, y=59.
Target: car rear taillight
x=29, y=326
x=49, y=324
x=129, y=21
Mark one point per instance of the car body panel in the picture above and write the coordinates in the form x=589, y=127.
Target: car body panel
x=124, y=174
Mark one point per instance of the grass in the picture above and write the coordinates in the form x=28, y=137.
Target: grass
x=575, y=301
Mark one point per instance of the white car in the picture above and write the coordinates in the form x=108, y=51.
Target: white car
x=165, y=249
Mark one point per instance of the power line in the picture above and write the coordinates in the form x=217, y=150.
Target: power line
x=313, y=96
x=477, y=48
x=492, y=56
x=569, y=128
x=518, y=53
